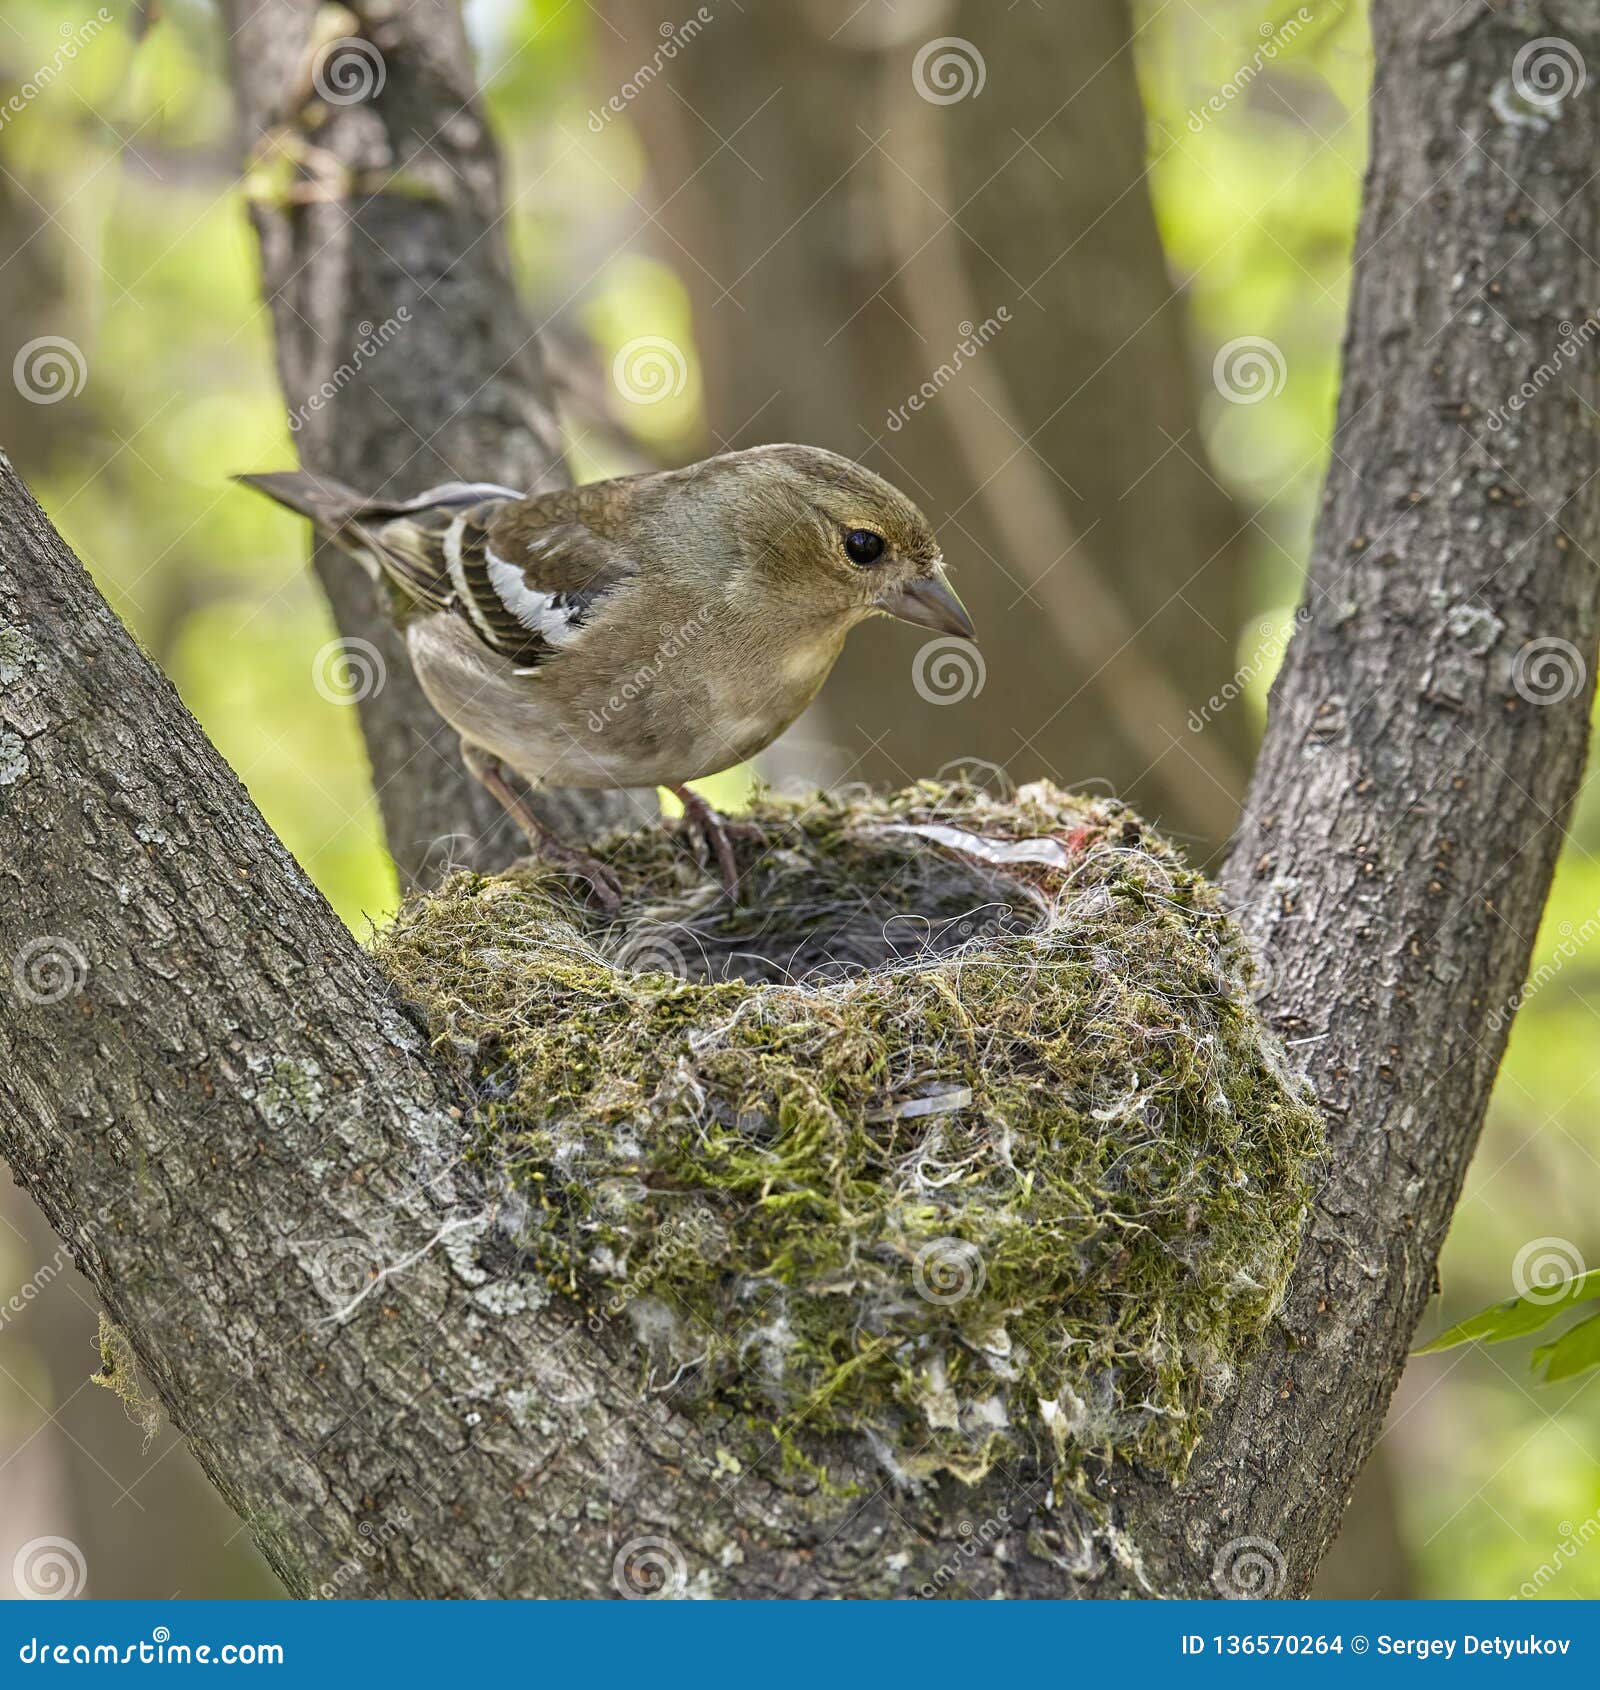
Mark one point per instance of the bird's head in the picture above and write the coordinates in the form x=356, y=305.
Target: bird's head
x=834, y=541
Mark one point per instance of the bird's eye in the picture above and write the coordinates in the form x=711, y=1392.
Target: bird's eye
x=862, y=546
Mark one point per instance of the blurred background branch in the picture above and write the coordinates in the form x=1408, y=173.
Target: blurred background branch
x=405, y=355
x=847, y=212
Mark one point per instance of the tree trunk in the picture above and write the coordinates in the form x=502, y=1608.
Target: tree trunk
x=1427, y=734
x=868, y=214
x=145, y=1517
x=404, y=354
x=210, y=1091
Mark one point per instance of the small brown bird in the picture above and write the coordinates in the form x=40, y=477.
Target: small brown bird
x=643, y=631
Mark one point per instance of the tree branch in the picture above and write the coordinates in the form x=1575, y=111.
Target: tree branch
x=403, y=351
x=1426, y=741
x=212, y=1094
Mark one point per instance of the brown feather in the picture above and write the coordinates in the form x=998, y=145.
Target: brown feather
x=645, y=630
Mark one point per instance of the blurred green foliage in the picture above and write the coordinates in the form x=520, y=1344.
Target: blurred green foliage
x=122, y=168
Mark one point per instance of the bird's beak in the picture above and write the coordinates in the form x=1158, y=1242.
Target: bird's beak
x=930, y=603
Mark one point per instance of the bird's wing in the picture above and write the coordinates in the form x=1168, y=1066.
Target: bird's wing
x=524, y=574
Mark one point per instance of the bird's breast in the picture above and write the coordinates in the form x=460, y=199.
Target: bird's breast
x=632, y=704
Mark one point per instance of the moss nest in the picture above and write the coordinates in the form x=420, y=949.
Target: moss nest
x=960, y=1135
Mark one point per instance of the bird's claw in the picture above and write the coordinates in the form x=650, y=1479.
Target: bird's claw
x=604, y=887
x=713, y=835
x=578, y=866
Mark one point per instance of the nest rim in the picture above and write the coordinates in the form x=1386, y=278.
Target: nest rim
x=812, y=1110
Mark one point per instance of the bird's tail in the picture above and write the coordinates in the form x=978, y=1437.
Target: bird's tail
x=332, y=506
x=404, y=540
x=329, y=503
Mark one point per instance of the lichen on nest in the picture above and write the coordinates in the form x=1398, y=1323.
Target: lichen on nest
x=960, y=1135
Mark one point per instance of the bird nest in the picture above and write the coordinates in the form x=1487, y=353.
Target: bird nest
x=959, y=1136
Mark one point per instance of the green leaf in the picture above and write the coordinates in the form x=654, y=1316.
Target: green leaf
x=1518, y=1315
x=1574, y=1352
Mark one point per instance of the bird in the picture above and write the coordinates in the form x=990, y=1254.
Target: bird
x=641, y=631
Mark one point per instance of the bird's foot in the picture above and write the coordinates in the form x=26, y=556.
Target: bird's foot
x=604, y=887
x=716, y=834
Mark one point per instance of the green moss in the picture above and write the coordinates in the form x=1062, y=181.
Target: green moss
x=119, y=1374
x=973, y=1158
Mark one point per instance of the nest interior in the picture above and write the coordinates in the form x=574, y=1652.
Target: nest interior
x=959, y=1135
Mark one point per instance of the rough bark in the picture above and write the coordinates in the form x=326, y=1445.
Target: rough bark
x=843, y=212
x=404, y=354
x=146, y=1518
x=242, y=1138
x=1425, y=742
x=1371, y=1558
